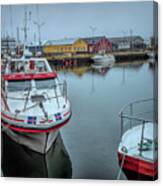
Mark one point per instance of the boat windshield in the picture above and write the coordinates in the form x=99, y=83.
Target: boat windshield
x=45, y=83
x=19, y=85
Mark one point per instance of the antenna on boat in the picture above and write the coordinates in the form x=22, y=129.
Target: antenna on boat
x=38, y=24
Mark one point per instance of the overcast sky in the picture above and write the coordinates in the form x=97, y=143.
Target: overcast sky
x=74, y=20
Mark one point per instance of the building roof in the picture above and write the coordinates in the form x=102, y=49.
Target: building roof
x=92, y=40
x=125, y=39
x=65, y=41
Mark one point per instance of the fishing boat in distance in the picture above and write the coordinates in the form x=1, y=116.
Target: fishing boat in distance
x=137, y=151
x=34, y=103
x=106, y=60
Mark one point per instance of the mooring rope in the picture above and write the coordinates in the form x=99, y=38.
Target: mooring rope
x=122, y=163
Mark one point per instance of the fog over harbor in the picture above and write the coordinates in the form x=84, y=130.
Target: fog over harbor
x=79, y=19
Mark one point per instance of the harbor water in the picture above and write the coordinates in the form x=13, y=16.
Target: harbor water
x=92, y=135
x=97, y=95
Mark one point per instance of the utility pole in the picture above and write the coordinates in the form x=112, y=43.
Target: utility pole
x=34, y=37
x=38, y=24
x=17, y=33
x=93, y=29
x=124, y=33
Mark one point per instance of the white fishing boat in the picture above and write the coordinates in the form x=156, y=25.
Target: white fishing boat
x=34, y=103
x=137, y=151
x=106, y=60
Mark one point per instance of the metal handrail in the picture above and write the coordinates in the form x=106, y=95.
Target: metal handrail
x=63, y=93
x=134, y=102
x=134, y=117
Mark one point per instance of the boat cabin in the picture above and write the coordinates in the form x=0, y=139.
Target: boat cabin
x=30, y=89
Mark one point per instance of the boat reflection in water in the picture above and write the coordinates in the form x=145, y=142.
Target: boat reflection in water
x=20, y=161
x=81, y=69
x=34, y=108
x=100, y=70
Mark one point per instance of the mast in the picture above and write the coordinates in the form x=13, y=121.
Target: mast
x=27, y=17
x=38, y=24
x=11, y=21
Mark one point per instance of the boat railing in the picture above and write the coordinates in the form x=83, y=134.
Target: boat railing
x=138, y=113
x=60, y=90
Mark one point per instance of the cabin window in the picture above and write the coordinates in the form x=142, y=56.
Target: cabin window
x=19, y=85
x=16, y=66
x=45, y=83
x=41, y=66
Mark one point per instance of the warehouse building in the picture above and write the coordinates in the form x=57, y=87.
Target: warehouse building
x=128, y=42
x=98, y=44
x=64, y=46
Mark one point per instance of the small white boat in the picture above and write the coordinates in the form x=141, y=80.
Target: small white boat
x=137, y=151
x=104, y=60
x=34, y=103
x=151, y=57
x=151, y=54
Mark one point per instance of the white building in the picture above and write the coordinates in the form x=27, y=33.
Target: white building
x=128, y=42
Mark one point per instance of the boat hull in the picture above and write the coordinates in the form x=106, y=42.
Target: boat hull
x=138, y=169
x=20, y=161
x=37, y=129
x=105, y=61
x=38, y=140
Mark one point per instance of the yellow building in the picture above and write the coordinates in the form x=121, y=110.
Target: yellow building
x=65, y=46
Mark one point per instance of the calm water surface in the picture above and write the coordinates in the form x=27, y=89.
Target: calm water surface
x=93, y=134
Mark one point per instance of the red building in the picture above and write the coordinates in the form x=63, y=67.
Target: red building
x=99, y=44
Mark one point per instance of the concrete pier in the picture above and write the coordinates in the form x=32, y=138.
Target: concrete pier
x=120, y=56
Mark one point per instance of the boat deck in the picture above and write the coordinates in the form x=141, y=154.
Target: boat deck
x=131, y=142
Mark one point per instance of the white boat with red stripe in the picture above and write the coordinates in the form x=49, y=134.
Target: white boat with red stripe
x=33, y=99
x=137, y=151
